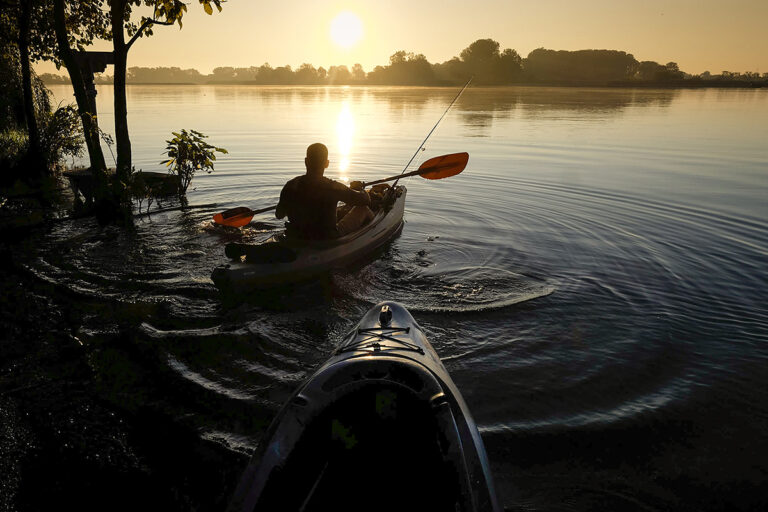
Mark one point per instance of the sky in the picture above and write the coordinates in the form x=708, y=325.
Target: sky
x=700, y=35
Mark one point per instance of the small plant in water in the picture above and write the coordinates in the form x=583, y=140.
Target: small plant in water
x=140, y=190
x=188, y=153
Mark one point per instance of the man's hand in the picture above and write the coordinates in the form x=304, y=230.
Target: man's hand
x=357, y=185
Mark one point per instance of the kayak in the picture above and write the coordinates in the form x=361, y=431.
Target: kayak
x=282, y=259
x=379, y=426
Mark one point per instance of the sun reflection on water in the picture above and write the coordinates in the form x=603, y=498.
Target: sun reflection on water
x=345, y=130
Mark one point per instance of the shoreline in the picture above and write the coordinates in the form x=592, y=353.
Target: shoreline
x=622, y=84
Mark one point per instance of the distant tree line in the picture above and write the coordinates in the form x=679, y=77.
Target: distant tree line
x=484, y=60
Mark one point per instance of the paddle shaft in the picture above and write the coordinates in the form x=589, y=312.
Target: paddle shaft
x=412, y=173
x=265, y=210
x=366, y=184
x=434, y=169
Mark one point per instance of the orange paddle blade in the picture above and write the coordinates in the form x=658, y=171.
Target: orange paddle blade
x=236, y=217
x=443, y=166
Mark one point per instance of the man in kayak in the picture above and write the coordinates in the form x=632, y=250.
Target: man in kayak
x=310, y=201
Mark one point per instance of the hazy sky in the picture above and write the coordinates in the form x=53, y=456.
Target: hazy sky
x=699, y=35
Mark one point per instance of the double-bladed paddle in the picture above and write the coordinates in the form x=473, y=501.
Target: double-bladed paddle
x=435, y=168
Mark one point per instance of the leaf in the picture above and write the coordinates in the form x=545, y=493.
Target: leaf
x=208, y=8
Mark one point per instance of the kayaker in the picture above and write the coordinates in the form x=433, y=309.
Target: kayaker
x=310, y=201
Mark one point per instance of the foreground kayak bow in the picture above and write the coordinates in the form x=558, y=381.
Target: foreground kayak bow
x=379, y=426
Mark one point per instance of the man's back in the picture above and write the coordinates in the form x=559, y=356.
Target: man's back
x=310, y=203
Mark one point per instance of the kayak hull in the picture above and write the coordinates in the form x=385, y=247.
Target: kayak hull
x=379, y=426
x=281, y=260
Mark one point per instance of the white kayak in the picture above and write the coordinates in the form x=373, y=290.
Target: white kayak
x=380, y=426
x=281, y=260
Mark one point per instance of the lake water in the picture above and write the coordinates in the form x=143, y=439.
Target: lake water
x=594, y=281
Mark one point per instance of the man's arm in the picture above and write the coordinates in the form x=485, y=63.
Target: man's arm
x=353, y=197
x=282, y=206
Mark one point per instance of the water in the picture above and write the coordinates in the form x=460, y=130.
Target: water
x=594, y=281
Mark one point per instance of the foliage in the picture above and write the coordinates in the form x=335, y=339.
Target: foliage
x=482, y=59
x=583, y=65
x=61, y=134
x=404, y=68
x=11, y=107
x=188, y=153
x=52, y=78
x=85, y=21
x=488, y=65
x=140, y=190
x=165, y=12
x=60, y=130
x=13, y=148
x=11, y=94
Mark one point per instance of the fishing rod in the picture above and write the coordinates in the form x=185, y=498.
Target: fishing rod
x=433, y=169
x=432, y=130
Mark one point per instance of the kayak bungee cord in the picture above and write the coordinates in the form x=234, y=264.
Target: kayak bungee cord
x=432, y=130
x=376, y=337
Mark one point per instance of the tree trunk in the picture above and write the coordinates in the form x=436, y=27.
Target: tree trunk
x=36, y=160
x=90, y=129
x=122, y=138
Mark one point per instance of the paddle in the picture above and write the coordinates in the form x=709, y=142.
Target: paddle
x=435, y=168
x=238, y=217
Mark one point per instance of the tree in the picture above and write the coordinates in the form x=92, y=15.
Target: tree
x=483, y=61
x=25, y=20
x=451, y=71
x=21, y=23
x=511, y=65
x=670, y=71
x=307, y=74
x=264, y=74
x=165, y=12
x=339, y=75
x=223, y=74
x=648, y=69
x=480, y=60
x=358, y=73
x=405, y=68
x=579, y=66
x=47, y=30
x=52, y=78
x=79, y=26
x=283, y=75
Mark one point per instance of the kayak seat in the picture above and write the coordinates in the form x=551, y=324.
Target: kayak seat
x=377, y=448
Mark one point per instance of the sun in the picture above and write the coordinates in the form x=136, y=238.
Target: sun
x=346, y=29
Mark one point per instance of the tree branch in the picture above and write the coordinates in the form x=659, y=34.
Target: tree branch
x=144, y=25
